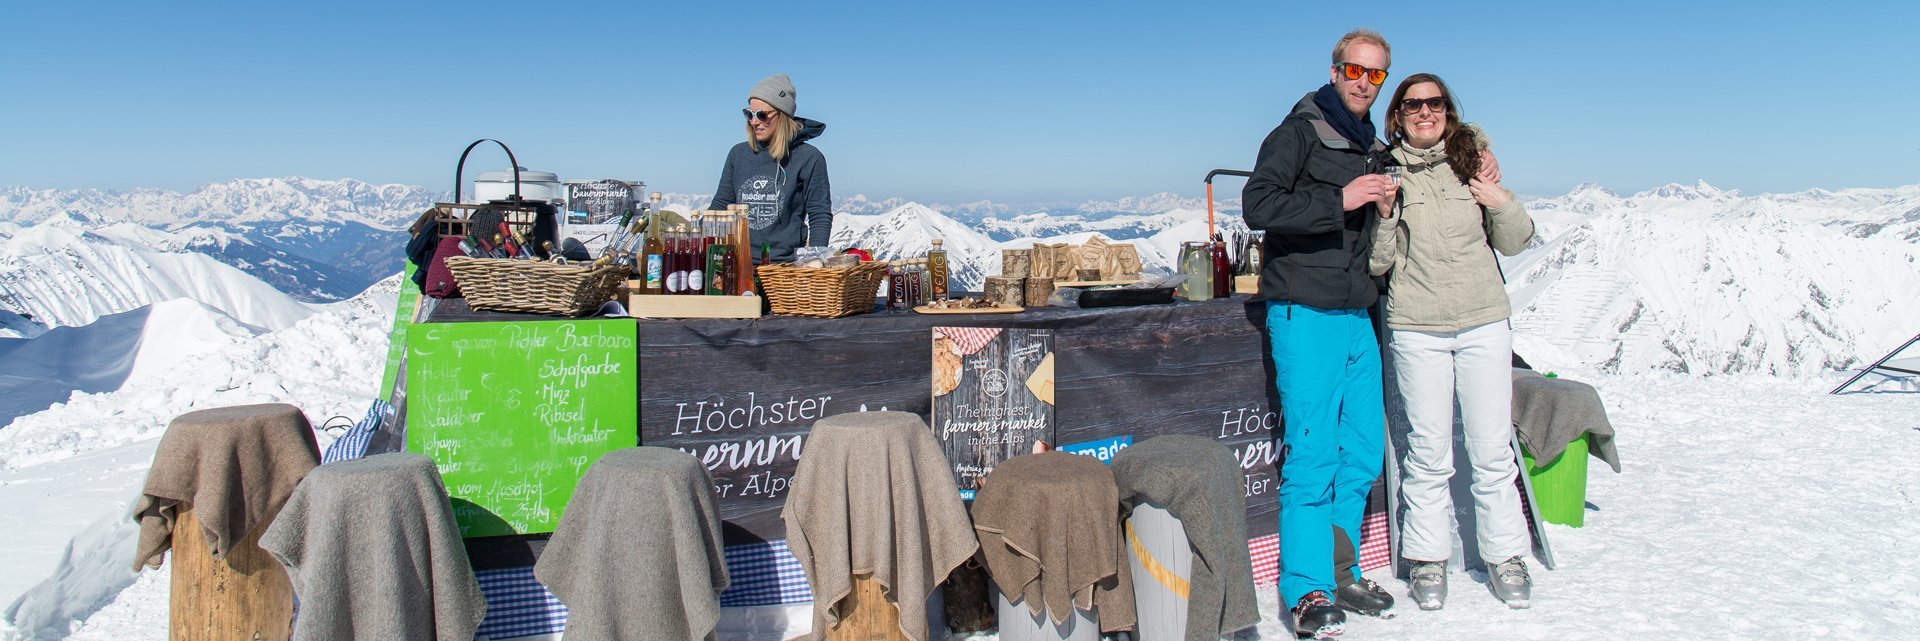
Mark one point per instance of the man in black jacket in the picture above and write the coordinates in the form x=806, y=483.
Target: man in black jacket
x=1316, y=191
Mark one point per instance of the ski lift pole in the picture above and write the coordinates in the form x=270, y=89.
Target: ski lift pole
x=1209, y=181
x=1882, y=364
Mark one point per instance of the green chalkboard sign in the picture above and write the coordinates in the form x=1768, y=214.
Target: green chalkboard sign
x=513, y=413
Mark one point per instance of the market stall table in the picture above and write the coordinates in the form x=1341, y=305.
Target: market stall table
x=741, y=396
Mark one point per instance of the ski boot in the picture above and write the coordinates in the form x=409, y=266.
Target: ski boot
x=1364, y=597
x=1510, y=582
x=1315, y=617
x=1427, y=581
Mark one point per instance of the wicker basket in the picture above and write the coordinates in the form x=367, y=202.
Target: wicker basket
x=822, y=292
x=535, y=287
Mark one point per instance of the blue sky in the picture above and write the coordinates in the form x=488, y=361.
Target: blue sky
x=947, y=102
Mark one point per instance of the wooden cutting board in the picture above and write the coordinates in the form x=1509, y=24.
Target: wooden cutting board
x=1092, y=283
x=977, y=310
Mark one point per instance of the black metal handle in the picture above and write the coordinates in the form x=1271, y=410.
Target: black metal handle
x=1227, y=172
x=457, y=169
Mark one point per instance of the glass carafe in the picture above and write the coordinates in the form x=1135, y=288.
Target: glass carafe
x=1196, y=263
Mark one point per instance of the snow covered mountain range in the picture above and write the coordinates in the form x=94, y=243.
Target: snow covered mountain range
x=316, y=240
x=1694, y=279
x=1686, y=278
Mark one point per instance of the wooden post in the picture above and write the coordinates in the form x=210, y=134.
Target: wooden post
x=210, y=601
x=867, y=615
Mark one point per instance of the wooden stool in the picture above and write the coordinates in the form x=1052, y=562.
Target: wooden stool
x=219, y=477
x=245, y=597
x=874, y=501
x=638, y=553
x=867, y=614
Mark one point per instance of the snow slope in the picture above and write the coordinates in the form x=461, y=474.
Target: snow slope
x=1745, y=505
x=62, y=275
x=52, y=366
x=74, y=468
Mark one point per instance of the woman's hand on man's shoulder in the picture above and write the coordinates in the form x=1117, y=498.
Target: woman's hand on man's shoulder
x=1488, y=193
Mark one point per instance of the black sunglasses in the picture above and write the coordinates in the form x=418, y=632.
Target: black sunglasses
x=1436, y=103
x=758, y=114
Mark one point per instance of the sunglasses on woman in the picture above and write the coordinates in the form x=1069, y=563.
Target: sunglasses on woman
x=757, y=115
x=1353, y=72
x=1411, y=105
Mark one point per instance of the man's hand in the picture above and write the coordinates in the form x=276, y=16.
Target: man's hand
x=1489, y=194
x=1489, y=166
x=1370, y=188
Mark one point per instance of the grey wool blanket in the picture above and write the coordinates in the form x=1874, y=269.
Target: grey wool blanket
x=234, y=466
x=1549, y=413
x=1049, y=528
x=874, y=495
x=637, y=554
x=1197, y=480
x=373, y=553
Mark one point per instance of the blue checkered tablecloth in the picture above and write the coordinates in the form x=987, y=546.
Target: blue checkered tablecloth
x=353, y=444
x=519, y=606
x=764, y=574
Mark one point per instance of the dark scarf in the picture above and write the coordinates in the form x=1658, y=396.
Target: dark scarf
x=1359, y=130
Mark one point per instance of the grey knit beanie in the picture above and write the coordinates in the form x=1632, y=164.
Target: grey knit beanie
x=776, y=90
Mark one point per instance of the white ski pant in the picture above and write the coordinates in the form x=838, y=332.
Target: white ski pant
x=1430, y=368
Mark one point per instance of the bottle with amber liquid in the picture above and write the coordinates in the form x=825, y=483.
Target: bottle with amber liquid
x=937, y=271
x=742, y=240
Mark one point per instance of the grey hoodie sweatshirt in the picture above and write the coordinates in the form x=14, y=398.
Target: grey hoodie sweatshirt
x=789, y=203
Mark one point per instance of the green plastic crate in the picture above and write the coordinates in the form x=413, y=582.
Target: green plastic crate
x=1560, y=488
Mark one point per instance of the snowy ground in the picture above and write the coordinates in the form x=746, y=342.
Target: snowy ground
x=71, y=472
x=1747, y=506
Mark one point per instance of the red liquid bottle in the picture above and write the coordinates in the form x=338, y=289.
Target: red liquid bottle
x=676, y=270
x=1222, y=270
x=894, y=285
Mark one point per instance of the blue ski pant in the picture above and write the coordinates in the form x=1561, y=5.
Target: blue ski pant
x=1327, y=368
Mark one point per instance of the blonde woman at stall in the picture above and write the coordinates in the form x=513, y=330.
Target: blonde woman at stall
x=778, y=173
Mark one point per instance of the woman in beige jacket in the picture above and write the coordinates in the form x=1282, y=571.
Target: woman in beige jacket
x=1447, y=315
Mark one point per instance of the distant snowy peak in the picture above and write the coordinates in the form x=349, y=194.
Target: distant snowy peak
x=1863, y=212
x=236, y=203
x=1700, y=190
x=1155, y=204
x=908, y=231
x=860, y=204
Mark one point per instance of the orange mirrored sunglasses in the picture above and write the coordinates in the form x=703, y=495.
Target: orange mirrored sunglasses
x=1353, y=72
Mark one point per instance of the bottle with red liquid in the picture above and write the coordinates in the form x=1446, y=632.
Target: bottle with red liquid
x=1222, y=268
x=895, y=287
x=677, y=261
